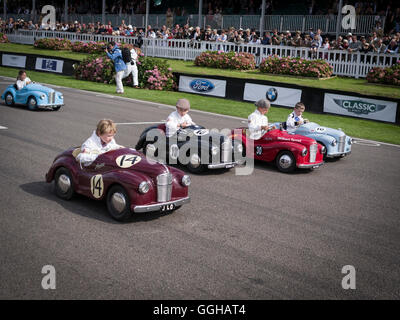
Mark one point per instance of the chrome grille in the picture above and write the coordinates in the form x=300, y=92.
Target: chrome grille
x=341, y=143
x=52, y=97
x=226, y=150
x=313, y=152
x=164, y=187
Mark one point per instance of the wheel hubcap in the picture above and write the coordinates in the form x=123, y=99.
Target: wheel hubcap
x=32, y=102
x=285, y=161
x=64, y=183
x=195, y=160
x=9, y=99
x=118, y=201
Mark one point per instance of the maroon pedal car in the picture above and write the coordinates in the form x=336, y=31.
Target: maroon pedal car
x=288, y=151
x=128, y=181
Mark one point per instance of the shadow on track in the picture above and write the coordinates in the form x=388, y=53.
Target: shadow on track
x=84, y=206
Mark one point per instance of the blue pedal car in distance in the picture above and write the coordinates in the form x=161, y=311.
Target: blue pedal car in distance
x=33, y=95
x=336, y=142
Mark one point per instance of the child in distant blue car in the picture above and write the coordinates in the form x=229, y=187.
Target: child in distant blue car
x=295, y=119
x=22, y=80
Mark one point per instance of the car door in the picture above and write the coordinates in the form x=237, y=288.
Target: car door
x=91, y=178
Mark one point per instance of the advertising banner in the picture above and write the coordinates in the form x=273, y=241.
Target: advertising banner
x=280, y=96
x=205, y=86
x=360, y=107
x=11, y=60
x=51, y=65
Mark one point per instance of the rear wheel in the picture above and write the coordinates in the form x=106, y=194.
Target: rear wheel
x=9, y=99
x=64, y=184
x=118, y=203
x=285, y=161
x=32, y=103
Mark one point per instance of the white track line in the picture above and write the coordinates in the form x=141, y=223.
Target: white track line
x=198, y=111
x=148, y=122
x=3, y=128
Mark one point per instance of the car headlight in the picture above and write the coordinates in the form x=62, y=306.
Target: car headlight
x=186, y=180
x=214, y=150
x=350, y=141
x=304, y=152
x=42, y=96
x=239, y=148
x=144, y=187
x=60, y=96
x=334, y=142
x=323, y=150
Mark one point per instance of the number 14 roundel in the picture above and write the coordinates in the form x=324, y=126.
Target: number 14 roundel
x=127, y=160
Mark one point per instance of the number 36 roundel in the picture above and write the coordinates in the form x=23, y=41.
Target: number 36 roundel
x=127, y=160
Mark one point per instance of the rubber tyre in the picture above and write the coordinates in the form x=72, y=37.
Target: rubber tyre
x=126, y=213
x=60, y=193
x=326, y=150
x=201, y=168
x=12, y=99
x=32, y=106
x=56, y=108
x=278, y=164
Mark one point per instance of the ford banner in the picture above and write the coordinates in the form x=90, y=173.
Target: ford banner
x=360, y=107
x=11, y=60
x=205, y=86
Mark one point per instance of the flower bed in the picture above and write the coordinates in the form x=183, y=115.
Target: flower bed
x=3, y=38
x=389, y=75
x=296, y=67
x=226, y=60
x=53, y=44
x=153, y=73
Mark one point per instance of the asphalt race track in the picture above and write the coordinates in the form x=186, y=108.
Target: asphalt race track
x=264, y=236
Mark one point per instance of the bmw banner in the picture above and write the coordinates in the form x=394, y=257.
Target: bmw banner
x=11, y=60
x=360, y=107
x=51, y=65
x=199, y=85
x=280, y=96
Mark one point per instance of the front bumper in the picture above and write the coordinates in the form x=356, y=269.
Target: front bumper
x=339, y=154
x=309, y=165
x=221, y=165
x=158, y=206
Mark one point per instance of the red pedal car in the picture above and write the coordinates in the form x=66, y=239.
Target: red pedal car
x=125, y=178
x=288, y=151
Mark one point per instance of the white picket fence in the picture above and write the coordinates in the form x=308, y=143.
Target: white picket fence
x=344, y=63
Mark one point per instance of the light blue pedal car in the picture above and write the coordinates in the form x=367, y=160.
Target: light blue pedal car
x=33, y=95
x=336, y=142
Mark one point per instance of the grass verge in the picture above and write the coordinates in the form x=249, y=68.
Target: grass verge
x=365, y=129
x=337, y=83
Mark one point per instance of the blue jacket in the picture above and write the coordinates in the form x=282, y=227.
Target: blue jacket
x=116, y=56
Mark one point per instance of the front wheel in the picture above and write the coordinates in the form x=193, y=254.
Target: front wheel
x=56, y=108
x=64, y=184
x=32, y=103
x=194, y=165
x=285, y=161
x=9, y=99
x=118, y=204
